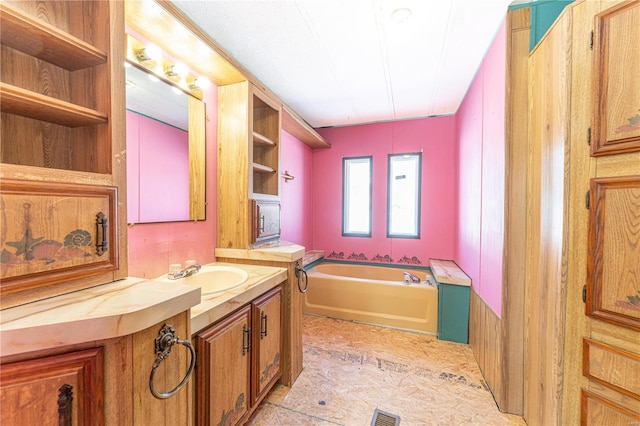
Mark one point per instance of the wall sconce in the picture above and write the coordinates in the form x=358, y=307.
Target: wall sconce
x=287, y=177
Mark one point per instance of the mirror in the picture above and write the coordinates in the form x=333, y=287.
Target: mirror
x=165, y=151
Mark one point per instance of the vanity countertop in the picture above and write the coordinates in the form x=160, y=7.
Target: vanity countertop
x=215, y=306
x=107, y=311
x=281, y=252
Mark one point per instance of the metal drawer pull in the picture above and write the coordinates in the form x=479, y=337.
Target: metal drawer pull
x=102, y=236
x=165, y=340
x=263, y=325
x=246, y=333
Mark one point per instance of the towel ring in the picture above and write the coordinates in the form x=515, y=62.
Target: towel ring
x=164, y=342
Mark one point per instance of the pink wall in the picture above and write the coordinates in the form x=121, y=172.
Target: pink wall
x=295, y=200
x=481, y=146
x=437, y=139
x=152, y=247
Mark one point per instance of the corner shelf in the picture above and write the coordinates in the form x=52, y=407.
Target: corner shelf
x=45, y=108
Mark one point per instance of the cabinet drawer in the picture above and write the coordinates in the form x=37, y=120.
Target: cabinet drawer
x=55, y=232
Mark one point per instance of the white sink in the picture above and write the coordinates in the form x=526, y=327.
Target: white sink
x=214, y=279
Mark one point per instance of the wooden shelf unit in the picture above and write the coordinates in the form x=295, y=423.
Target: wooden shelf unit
x=62, y=125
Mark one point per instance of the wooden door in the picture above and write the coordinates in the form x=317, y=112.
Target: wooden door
x=611, y=347
x=222, y=373
x=57, y=390
x=267, y=349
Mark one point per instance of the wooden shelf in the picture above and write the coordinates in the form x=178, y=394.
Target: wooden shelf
x=262, y=169
x=45, y=108
x=297, y=127
x=46, y=42
x=259, y=139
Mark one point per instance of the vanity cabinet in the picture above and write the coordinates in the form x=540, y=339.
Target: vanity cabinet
x=59, y=390
x=62, y=163
x=239, y=361
x=249, y=124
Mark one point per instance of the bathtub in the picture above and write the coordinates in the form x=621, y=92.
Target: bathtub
x=373, y=295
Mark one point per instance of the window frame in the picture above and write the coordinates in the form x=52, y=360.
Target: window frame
x=345, y=161
x=418, y=194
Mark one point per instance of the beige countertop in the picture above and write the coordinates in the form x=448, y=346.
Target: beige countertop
x=311, y=256
x=280, y=252
x=448, y=272
x=107, y=311
x=215, y=306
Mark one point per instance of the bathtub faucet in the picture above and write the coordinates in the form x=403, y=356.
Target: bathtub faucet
x=409, y=276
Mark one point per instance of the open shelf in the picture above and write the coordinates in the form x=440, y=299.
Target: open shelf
x=45, y=108
x=259, y=139
x=46, y=42
x=262, y=169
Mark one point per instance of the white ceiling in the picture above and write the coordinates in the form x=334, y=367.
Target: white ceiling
x=344, y=62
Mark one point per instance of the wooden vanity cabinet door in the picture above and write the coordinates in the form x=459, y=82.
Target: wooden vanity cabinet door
x=37, y=392
x=222, y=371
x=267, y=347
x=58, y=237
x=616, y=80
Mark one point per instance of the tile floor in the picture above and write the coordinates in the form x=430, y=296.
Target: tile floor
x=351, y=369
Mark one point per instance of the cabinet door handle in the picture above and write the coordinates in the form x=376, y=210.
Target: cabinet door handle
x=102, y=234
x=263, y=325
x=261, y=224
x=65, y=398
x=246, y=339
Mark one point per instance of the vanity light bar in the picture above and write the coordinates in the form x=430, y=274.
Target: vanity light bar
x=164, y=68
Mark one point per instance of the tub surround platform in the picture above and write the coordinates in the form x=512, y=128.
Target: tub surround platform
x=311, y=256
x=214, y=307
x=448, y=272
x=279, y=252
x=111, y=310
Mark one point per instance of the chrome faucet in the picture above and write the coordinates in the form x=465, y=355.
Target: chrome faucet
x=186, y=272
x=409, y=276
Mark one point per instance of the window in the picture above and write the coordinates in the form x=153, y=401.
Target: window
x=403, y=197
x=356, y=196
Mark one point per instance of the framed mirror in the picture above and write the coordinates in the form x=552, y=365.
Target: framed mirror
x=165, y=151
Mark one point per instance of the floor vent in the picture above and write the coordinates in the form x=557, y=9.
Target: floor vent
x=380, y=418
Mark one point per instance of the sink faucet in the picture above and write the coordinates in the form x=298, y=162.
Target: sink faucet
x=409, y=276
x=186, y=272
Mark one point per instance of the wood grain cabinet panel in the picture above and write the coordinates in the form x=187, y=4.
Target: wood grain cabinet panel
x=616, y=80
x=613, y=265
x=239, y=361
x=266, y=353
x=57, y=390
x=597, y=410
x=611, y=367
x=55, y=232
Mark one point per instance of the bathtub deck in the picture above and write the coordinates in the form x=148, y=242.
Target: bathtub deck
x=351, y=369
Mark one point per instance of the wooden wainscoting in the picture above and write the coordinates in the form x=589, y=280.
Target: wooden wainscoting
x=485, y=338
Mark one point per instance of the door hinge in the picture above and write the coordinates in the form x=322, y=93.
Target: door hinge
x=591, y=41
x=587, y=200
x=589, y=136
x=584, y=294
